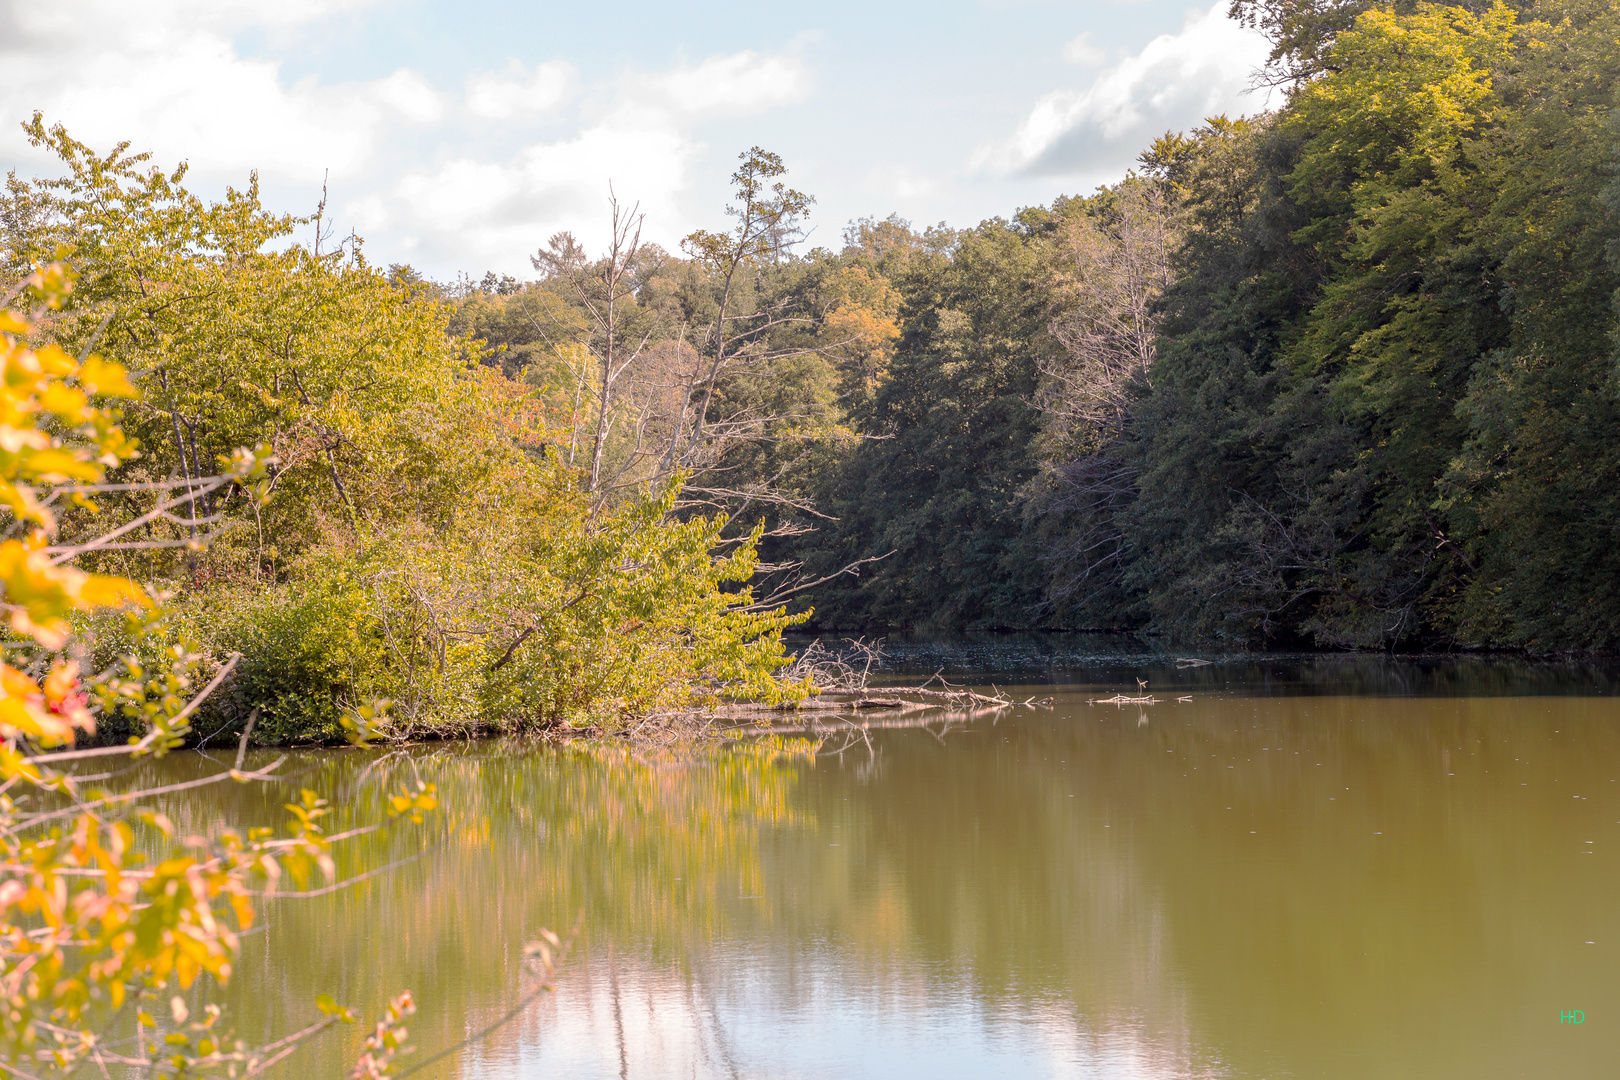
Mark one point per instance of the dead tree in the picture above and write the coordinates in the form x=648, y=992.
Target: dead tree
x=1118, y=265
x=604, y=289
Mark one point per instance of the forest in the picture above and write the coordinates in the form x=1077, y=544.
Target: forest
x=1339, y=375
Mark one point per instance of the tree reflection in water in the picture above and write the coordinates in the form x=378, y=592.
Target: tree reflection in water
x=1243, y=886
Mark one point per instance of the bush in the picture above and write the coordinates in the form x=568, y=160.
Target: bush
x=621, y=617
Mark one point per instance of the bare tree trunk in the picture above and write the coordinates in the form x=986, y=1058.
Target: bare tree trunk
x=1120, y=266
x=714, y=368
x=603, y=290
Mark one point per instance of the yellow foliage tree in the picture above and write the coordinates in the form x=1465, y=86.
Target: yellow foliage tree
x=88, y=923
x=861, y=327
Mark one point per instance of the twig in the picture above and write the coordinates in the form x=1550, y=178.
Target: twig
x=241, y=748
x=133, y=748
x=544, y=987
x=338, y=886
x=78, y=808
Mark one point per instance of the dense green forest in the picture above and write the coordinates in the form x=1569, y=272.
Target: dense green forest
x=1343, y=374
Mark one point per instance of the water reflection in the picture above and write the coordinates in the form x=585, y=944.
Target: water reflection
x=1243, y=886
x=1114, y=660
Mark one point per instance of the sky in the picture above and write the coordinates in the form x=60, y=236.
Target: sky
x=459, y=137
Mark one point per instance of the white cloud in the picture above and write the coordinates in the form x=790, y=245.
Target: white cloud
x=410, y=95
x=368, y=214
x=1174, y=82
x=741, y=84
x=66, y=24
x=549, y=186
x=895, y=181
x=405, y=168
x=167, y=75
x=520, y=91
x=490, y=211
x=1081, y=51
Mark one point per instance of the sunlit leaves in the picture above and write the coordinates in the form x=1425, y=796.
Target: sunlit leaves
x=1393, y=119
x=414, y=804
x=328, y=1005
x=85, y=921
x=767, y=215
x=51, y=433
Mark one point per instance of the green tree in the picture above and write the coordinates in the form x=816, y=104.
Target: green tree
x=939, y=484
x=425, y=539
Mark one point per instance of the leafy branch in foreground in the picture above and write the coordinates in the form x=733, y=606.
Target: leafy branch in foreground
x=105, y=911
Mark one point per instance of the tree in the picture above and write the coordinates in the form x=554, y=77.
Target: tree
x=1301, y=32
x=1530, y=496
x=1383, y=310
x=427, y=542
x=604, y=291
x=767, y=215
x=237, y=342
x=1116, y=251
x=87, y=927
x=952, y=427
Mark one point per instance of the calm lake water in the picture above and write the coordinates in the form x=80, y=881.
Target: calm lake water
x=1313, y=869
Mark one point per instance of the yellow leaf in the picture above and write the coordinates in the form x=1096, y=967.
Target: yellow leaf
x=59, y=466
x=53, y=361
x=106, y=380
x=101, y=590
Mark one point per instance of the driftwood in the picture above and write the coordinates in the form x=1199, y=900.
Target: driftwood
x=1184, y=662
x=1124, y=699
x=829, y=707
x=896, y=697
x=833, y=724
x=891, y=699
x=837, y=670
x=954, y=696
x=840, y=682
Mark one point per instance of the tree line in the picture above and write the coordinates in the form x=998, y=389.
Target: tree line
x=1342, y=374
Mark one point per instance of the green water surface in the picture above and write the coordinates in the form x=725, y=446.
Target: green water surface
x=1254, y=883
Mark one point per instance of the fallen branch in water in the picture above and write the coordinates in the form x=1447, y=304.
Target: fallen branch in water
x=964, y=704
x=823, y=725
x=891, y=697
x=839, y=681
x=956, y=696
x=843, y=670
x=1124, y=699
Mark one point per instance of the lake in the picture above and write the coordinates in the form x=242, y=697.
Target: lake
x=1286, y=867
